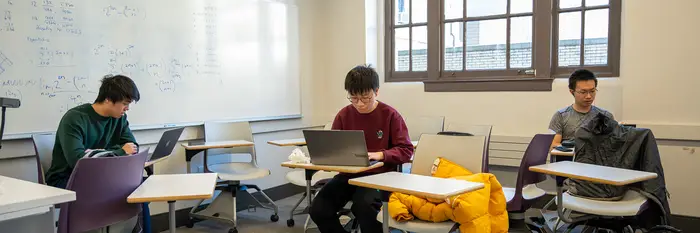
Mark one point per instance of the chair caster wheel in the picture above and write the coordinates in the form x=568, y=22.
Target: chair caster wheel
x=274, y=218
x=290, y=222
x=190, y=224
x=233, y=230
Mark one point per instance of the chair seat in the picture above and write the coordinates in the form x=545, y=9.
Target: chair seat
x=530, y=192
x=417, y=225
x=298, y=177
x=630, y=205
x=238, y=171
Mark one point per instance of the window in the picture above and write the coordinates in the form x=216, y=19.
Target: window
x=517, y=45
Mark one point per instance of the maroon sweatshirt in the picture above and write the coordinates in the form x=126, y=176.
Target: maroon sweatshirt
x=385, y=131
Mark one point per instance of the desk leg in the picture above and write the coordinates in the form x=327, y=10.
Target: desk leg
x=385, y=210
x=308, y=175
x=188, y=158
x=171, y=214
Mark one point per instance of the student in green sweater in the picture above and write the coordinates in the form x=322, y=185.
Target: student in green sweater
x=101, y=125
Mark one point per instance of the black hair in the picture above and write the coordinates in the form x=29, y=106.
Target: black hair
x=118, y=88
x=361, y=79
x=581, y=75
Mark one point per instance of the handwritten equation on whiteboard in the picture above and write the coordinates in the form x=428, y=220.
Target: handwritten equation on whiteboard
x=54, y=53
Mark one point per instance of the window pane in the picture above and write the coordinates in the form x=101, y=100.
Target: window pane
x=454, y=9
x=419, y=48
x=401, y=8
x=453, y=46
x=489, y=50
x=520, y=6
x=569, y=3
x=521, y=42
x=476, y=8
x=596, y=41
x=401, y=43
x=597, y=3
x=570, y=39
x=419, y=14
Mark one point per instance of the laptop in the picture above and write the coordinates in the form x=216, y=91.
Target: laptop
x=337, y=147
x=166, y=144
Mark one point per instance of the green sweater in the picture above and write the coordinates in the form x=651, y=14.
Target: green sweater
x=81, y=128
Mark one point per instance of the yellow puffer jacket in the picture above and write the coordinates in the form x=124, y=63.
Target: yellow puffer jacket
x=479, y=211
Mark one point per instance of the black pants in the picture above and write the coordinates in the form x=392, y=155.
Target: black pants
x=366, y=204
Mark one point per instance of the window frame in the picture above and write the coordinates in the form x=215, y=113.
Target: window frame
x=544, y=51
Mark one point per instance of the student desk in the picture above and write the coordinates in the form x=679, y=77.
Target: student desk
x=556, y=152
x=176, y=187
x=192, y=149
x=288, y=142
x=302, y=142
x=310, y=169
x=593, y=173
x=589, y=172
x=412, y=184
x=19, y=198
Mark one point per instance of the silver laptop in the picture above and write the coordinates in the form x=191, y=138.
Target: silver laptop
x=337, y=147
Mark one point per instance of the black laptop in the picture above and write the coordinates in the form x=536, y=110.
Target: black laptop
x=166, y=144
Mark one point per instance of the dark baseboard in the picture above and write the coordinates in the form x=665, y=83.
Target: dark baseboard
x=684, y=223
x=160, y=222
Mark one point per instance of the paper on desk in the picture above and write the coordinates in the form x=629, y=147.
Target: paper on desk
x=298, y=156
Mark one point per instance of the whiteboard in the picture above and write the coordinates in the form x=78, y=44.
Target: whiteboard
x=192, y=60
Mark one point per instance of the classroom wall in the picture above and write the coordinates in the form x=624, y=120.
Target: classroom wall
x=655, y=88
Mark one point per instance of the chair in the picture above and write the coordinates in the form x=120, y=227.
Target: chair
x=483, y=130
x=43, y=147
x=467, y=151
x=231, y=174
x=526, y=192
x=102, y=186
x=418, y=125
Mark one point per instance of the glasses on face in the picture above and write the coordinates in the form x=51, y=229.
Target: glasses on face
x=586, y=92
x=365, y=99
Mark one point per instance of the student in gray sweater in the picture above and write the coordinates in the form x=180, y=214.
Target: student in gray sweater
x=583, y=85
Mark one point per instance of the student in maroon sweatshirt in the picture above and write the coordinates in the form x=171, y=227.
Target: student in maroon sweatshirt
x=387, y=140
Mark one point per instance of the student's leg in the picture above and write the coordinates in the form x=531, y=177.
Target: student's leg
x=325, y=206
x=366, y=204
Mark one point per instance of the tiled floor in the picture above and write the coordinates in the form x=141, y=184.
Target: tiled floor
x=259, y=222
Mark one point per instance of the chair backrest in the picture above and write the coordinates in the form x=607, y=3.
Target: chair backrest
x=227, y=131
x=418, y=125
x=43, y=148
x=467, y=151
x=535, y=154
x=483, y=130
x=102, y=186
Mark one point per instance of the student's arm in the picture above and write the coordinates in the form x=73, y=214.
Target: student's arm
x=125, y=136
x=402, y=148
x=70, y=136
x=556, y=125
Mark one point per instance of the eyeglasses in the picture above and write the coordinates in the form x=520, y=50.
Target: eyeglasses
x=364, y=99
x=592, y=92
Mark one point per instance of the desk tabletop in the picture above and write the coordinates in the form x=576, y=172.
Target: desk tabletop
x=594, y=173
x=288, y=142
x=561, y=153
x=149, y=163
x=341, y=169
x=217, y=144
x=19, y=195
x=302, y=142
x=175, y=187
x=426, y=186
